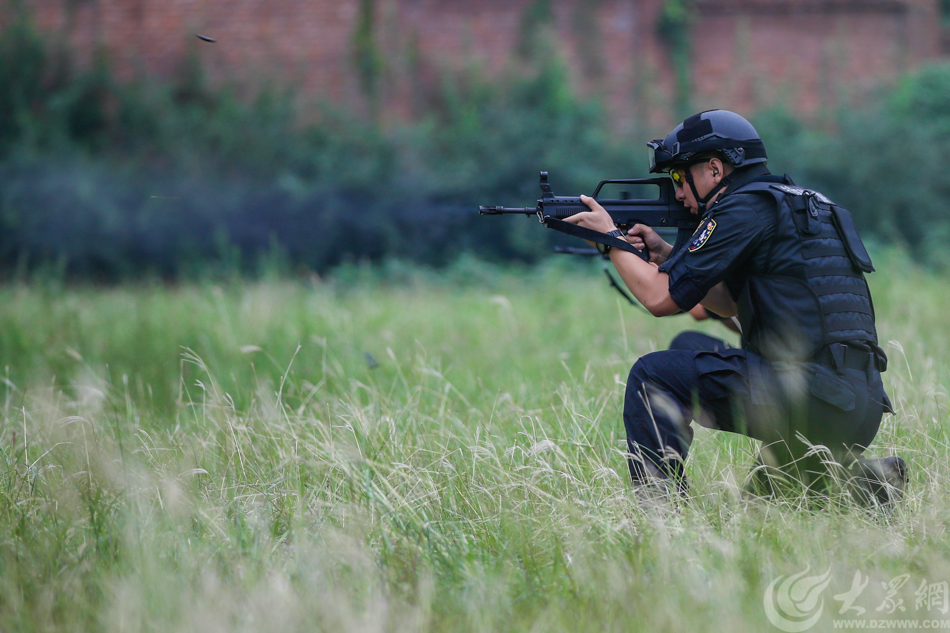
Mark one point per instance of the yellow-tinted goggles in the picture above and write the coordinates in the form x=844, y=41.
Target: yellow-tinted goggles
x=678, y=175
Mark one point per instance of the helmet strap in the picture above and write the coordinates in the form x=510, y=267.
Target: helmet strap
x=704, y=200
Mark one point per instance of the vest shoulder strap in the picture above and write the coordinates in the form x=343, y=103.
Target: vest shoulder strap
x=765, y=188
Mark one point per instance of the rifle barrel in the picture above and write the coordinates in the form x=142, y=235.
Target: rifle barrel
x=507, y=210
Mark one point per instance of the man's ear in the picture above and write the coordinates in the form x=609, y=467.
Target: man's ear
x=716, y=168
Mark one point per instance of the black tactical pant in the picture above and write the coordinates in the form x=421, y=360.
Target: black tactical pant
x=790, y=407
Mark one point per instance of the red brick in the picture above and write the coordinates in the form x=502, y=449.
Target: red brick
x=746, y=54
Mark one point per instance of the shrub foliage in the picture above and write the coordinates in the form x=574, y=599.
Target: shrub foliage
x=110, y=180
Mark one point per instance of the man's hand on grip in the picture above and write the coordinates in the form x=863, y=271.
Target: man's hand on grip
x=641, y=235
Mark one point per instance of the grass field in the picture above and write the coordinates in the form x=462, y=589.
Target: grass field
x=227, y=457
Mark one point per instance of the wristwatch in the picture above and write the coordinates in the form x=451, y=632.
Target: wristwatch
x=603, y=249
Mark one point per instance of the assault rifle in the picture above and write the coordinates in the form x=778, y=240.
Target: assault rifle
x=662, y=211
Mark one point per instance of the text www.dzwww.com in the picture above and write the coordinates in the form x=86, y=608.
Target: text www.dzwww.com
x=892, y=624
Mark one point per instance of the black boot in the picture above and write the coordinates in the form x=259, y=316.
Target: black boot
x=879, y=481
x=654, y=483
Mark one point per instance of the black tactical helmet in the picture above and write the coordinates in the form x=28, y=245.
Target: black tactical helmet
x=714, y=130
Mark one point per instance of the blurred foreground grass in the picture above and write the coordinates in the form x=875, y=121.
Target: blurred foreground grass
x=226, y=458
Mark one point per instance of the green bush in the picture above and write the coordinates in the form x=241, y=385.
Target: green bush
x=116, y=179
x=111, y=179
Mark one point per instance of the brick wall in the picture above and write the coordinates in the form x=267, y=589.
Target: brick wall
x=302, y=42
x=808, y=53
x=746, y=54
x=609, y=45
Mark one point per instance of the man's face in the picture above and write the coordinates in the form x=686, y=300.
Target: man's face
x=706, y=175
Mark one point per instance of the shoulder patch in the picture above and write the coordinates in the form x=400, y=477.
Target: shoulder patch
x=700, y=237
x=795, y=191
x=801, y=191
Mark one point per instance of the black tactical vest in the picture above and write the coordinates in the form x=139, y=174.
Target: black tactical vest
x=813, y=292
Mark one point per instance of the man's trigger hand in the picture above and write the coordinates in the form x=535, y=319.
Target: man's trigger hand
x=641, y=236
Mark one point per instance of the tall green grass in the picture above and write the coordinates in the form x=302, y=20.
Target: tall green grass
x=227, y=457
